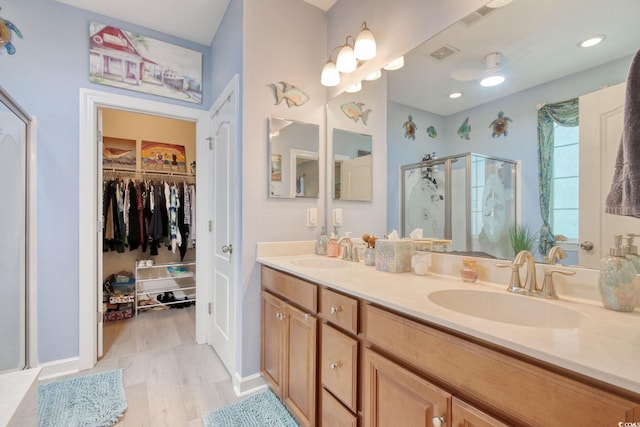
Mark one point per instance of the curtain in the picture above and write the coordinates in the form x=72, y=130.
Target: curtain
x=563, y=113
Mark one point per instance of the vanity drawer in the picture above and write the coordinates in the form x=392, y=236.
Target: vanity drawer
x=339, y=309
x=295, y=290
x=334, y=414
x=481, y=374
x=339, y=365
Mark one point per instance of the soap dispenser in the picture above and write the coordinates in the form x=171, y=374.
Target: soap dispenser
x=333, y=248
x=631, y=251
x=321, y=244
x=617, y=279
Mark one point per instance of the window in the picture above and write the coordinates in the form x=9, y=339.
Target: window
x=564, y=200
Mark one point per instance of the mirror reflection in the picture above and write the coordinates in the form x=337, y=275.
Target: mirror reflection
x=351, y=165
x=537, y=42
x=293, y=159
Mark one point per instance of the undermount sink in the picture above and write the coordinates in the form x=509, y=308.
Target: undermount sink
x=507, y=308
x=322, y=263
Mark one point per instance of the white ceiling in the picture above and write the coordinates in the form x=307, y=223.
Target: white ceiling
x=194, y=20
x=538, y=39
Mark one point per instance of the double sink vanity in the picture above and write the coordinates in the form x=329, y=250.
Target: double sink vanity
x=345, y=344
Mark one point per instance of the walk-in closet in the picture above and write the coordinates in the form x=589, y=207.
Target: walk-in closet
x=148, y=204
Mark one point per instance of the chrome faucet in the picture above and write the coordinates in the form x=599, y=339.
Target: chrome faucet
x=515, y=284
x=555, y=253
x=548, y=289
x=530, y=283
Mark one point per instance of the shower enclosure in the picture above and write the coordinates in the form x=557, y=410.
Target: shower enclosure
x=468, y=198
x=14, y=172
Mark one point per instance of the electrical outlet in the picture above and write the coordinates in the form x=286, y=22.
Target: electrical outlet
x=312, y=217
x=337, y=217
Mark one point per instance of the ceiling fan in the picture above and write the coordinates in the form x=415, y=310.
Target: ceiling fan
x=492, y=62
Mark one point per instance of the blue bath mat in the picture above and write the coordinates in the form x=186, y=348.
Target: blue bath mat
x=92, y=400
x=261, y=410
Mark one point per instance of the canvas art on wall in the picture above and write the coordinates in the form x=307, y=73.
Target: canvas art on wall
x=133, y=61
x=161, y=157
x=118, y=153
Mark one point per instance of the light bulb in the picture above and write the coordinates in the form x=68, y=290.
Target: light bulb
x=346, y=61
x=365, y=46
x=330, y=75
x=492, y=81
x=374, y=76
x=396, y=64
x=592, y=41
x=454, y=95
x=356, y=87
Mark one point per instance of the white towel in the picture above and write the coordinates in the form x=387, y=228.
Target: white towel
x=624, y=195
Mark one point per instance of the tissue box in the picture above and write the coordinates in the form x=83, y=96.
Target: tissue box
x=393, y=255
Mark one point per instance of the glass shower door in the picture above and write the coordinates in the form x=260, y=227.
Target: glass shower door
x=13, y=232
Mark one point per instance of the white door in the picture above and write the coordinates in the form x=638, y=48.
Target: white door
x=99, y=238
x=601, y=121
x=222, y=157
x=355, y=179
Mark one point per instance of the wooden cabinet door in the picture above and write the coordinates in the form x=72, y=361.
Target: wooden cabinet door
x=465, y=415
x=333, y=414
x=272, y=341
x=300, y=364
x=394, y=396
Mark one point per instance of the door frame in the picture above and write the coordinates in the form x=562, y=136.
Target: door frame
x=88, y=224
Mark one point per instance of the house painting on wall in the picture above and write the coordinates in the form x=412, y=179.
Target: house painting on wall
x=132, y=61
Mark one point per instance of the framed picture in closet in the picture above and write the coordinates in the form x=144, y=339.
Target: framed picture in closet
x=118, y=153
x=162, y=157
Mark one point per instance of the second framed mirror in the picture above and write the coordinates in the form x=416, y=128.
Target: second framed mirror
x=351, y=165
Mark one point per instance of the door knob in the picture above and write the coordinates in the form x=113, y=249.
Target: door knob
x=586, y=245
x=227, y=249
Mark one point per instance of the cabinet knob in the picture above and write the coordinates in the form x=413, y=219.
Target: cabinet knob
x=281, y=316
x=334, y=365
x=335, y=309
x=438, y=421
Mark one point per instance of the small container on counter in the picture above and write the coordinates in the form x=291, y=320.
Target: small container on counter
x=333, y=248
x=420, y=257
x=469, y=270
x=440, y=245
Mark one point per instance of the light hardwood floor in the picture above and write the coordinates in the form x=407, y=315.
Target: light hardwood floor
x=169, y=380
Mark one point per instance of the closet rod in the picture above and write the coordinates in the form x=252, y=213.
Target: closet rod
x=127, y=173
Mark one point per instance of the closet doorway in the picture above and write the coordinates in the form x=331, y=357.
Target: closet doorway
x=147, y=202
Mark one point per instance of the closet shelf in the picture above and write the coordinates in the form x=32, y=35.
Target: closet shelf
x=159, y=279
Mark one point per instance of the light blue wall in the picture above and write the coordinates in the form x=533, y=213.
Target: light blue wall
x=44, y=76
x=519, y=144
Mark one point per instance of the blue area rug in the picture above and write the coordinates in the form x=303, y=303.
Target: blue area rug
x=92, y=400
x=260, y=410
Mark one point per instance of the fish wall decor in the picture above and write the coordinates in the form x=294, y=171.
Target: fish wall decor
x=464, y=130
x=6, y=28
x=431, y=131
x=410, y=128
x=355, y=111
x=500, y=125
x=289, y=93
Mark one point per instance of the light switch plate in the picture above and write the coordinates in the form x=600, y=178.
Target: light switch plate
x=337, y=217
x=312, y=217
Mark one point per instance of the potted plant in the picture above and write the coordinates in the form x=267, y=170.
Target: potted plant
x=521, y=238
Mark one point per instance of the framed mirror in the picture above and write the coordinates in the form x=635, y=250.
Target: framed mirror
x=293, y=159
x=352, y=155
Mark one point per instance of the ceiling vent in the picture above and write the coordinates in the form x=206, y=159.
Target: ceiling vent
x=444, y=52
x=475, y=16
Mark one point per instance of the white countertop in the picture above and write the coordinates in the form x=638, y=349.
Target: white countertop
x=605, y=345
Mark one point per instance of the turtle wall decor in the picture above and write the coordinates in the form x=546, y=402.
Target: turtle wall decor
x=499, y=126
x=6, y=28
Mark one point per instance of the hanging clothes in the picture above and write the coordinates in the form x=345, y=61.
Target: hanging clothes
x=133, y=217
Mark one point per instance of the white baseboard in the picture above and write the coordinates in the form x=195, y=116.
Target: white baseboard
x=58, y=368
x=248, y=385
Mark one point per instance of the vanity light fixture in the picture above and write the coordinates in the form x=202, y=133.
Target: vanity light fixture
x=492, y=81
x=454, y=95
x=356, y=87
x=374, y=76
x=592, y=41
x=353, y=50
x=495, y=4
x=396, y=64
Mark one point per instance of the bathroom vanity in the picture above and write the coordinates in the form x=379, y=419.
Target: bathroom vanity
x=346, y=345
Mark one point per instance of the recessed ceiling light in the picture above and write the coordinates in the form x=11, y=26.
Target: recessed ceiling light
x=356, y=87
x=454, y=95
x=592, y=41
x=492, y=81
x=396, y=64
